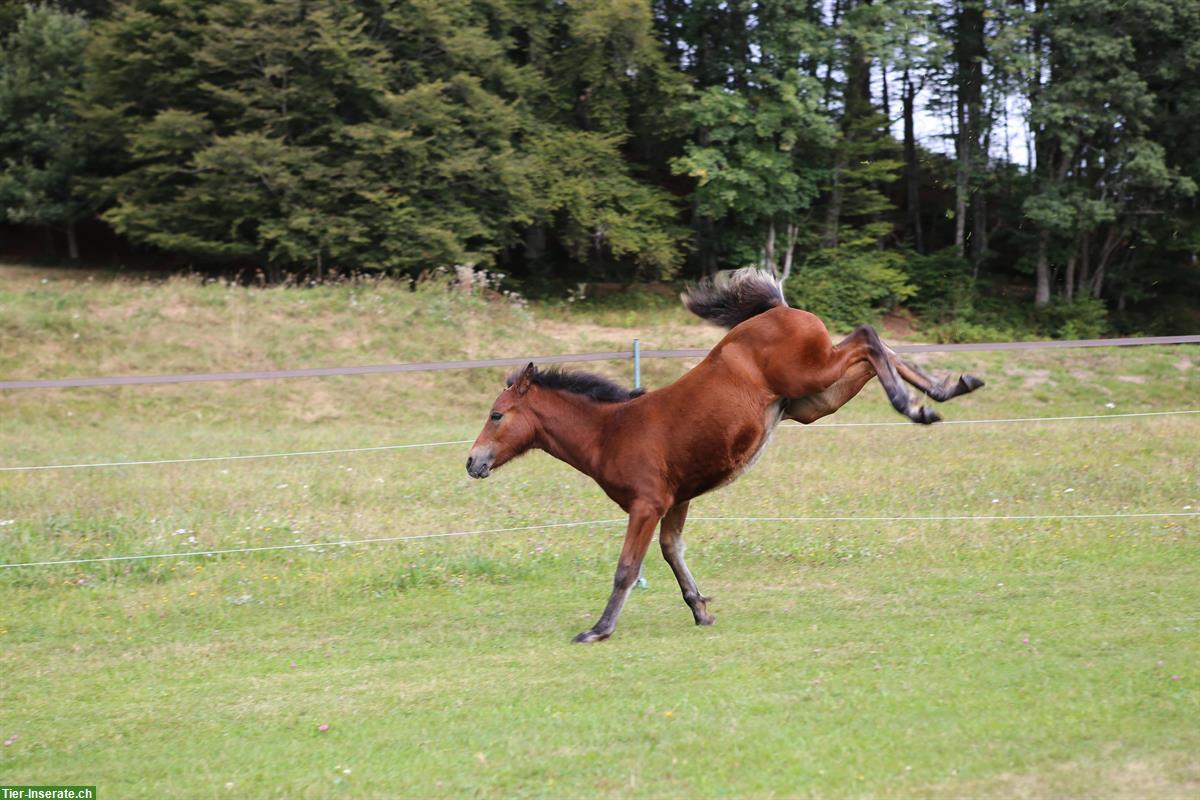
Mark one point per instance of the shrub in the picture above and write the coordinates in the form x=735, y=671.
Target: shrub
x=848, y=286
x=1085, y=318
x=945, y=289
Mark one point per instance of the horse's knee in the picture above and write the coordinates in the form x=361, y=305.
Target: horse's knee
x=625, y=577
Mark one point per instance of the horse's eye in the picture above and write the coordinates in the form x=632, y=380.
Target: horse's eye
x=496, y=415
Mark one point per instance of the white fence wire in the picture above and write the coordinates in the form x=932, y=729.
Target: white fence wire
x=423, y=445
x=319, y=546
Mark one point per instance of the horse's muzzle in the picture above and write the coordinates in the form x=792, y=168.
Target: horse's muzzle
x=479, y=466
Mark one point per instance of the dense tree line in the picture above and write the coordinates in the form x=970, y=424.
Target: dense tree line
x=940, y=153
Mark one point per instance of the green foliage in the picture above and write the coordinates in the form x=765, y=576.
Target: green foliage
x=1085, y=318
x=757, y=164
x=602, y=140
x=43, y=149
x=579, y=179
x=306, y=135
x=943, y=286
x=850, y=284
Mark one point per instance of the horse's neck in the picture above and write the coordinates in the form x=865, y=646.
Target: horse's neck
x=571, y=429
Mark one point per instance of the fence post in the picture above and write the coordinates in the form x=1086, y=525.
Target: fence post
x=637, y=364
x=637, y=384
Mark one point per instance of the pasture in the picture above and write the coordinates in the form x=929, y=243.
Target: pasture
x=850, y=658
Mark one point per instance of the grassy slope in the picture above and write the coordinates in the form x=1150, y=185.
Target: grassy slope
x=881, y=659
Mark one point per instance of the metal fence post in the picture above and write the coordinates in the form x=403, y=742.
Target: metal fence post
x=637, y=364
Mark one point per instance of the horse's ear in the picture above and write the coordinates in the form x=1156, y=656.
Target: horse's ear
x=525, y=380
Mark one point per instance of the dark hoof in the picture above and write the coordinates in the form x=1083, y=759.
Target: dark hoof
x=590, y=636
x=968, y=383
x=926, y=416
x=706, y=619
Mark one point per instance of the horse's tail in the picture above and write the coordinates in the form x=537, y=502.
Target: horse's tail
x=729, y=298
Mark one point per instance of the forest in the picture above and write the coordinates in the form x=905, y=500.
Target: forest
x=994, y=168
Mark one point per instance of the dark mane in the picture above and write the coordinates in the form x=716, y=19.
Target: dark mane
x=594, y=387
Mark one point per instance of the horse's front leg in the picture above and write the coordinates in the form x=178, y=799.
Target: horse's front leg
x=642, y=521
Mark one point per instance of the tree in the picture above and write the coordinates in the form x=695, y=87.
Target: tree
x=757, y=167
x=44, y=148
x=1099, y=172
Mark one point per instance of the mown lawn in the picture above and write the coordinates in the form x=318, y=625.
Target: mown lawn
x=1042, y=658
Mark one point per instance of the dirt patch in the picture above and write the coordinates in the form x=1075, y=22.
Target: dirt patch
x=899, y=325
x=1033, y=378
x=315, y=405
x=577, y=334
x=611, y=289
x=1184, y=363
x=176, y=309
x=350, y=339
x=1131, y=378
x=114, y=313
x=1155, y=776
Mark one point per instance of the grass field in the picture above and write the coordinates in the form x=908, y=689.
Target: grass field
x=1045, y=658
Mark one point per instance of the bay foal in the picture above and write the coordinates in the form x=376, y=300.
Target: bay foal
x=652, y=453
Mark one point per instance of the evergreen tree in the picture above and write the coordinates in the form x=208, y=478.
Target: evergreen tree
x=44, y=149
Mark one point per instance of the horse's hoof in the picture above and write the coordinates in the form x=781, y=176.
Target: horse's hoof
x=926, y=416
x=968, y=383
x=707, y=619
x=590, y=636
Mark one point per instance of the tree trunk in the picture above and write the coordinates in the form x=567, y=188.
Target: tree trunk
x=535, y=243
x=793, y=233
x=72, y=242
x=833, y=26
x=1044, y=146
x=1042, y=297
x=1085, y=261
x=703, y=229
x=912, y=176
x=833, y=212
x=979, y=205
x=1111, y=242
x=969, y=54
x=769, y=254
x=962, y=181
x=885, y=95
x=857, y=107
x=1069, y=280
x=979, y=232
x=1098, y=281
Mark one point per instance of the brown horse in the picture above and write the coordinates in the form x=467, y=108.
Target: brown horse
x=652, y=453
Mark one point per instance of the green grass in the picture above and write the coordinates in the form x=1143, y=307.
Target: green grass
x=849, y=659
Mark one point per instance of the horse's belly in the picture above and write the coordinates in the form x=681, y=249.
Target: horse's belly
x=741, y=452
x=750, y=456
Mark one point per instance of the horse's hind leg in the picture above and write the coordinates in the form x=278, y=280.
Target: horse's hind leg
x=942, y=390
x=867, y=341
x=812, y=407
x=670, y=538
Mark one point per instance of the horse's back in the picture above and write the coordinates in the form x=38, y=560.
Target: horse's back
x=783, y=350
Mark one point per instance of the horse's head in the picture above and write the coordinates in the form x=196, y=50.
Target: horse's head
x=509, y=430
